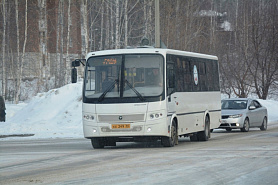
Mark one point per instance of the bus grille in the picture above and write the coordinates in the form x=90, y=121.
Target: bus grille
x=121, y=118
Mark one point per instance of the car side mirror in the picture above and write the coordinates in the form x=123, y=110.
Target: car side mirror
x=252, y=107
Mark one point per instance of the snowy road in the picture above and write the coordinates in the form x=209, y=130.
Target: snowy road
x=227, y=158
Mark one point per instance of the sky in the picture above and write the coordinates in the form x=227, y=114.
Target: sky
x=58, y=114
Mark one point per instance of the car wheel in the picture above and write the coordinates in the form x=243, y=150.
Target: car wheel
x=204, y=135
x=173, y=139
x=264, y=124
x=228, y=129
x=97, y=143
x=246, y=125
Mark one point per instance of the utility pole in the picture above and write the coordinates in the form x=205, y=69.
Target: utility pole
x=157, y=25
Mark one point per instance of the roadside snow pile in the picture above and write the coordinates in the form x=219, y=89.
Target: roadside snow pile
x=56, y=113
x=272, y=109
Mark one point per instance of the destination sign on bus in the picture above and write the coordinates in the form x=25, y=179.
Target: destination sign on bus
x=109, y=61
x=105, y=61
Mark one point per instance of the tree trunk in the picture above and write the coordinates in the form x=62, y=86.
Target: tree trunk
x=62, y=63
x=112, y=26
x=101, y=27
x=22, y=56
x=16, y=80
x=117, y=36
x=84, y=27
x=4, y=77
x=44, y=67
x=107, y=34
x=56, y=63
x=68, y=66
x=126, y=24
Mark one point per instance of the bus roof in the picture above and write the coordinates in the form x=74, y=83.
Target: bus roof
x=150, y=51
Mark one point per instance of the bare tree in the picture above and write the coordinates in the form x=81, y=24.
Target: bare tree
x=126, y=24
x=4, y=75
x=68, y=66
x=107, y=27
x=101, y=26
x=84, y=27
x=117, y=32
x=20, y=66
x=44, y=70
x=264, y=44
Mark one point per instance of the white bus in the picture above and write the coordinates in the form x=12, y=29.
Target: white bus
x=149, y=94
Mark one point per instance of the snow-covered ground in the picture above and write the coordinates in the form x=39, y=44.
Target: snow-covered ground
x=58, y=113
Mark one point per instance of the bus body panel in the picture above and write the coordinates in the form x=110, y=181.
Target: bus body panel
x=191, y=110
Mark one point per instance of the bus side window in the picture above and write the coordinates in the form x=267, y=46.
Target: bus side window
x=170, y=78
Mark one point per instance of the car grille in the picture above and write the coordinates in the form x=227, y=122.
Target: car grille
x=225, y=117
x=224, y=125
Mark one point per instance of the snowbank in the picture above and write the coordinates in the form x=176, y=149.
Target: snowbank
x=272, y=109
x=56, y=113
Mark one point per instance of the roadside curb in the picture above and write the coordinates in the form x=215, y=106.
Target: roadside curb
x=17, y=135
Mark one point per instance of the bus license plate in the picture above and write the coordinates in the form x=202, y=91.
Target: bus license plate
x=120, y=126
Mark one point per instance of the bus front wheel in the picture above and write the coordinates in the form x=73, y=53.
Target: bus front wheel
x=173, y=139
x=97, y=143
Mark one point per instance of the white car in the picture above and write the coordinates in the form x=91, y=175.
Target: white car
x=243, y=113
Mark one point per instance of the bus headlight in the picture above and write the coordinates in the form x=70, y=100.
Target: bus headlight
x=155, y=115
x=88, y=117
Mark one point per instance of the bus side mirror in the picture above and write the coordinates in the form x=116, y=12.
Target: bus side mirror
x=73, y=75
x=75, y=63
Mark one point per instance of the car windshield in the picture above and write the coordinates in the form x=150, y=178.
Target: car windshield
x=120, y=76
x=234, y=104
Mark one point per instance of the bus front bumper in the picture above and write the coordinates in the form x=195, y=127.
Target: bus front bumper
x=155, y=128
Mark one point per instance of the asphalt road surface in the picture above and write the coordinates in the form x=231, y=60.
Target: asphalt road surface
x=227, y=158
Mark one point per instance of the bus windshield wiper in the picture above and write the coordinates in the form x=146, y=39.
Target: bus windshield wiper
x=136, y=92
x=112, y=86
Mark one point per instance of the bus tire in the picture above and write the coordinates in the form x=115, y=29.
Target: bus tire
x=205, y=135
x=172, y=140
x=194, y=137
x=97, y=143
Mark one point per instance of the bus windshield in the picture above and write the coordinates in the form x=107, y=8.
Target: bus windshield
x=124, y=76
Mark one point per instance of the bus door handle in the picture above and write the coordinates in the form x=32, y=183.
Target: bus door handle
x=169, y=98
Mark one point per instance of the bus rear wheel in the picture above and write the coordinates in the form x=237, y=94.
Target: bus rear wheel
x=205, y=135
x=173, y=139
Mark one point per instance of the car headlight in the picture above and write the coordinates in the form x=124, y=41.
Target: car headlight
x=235, y=116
